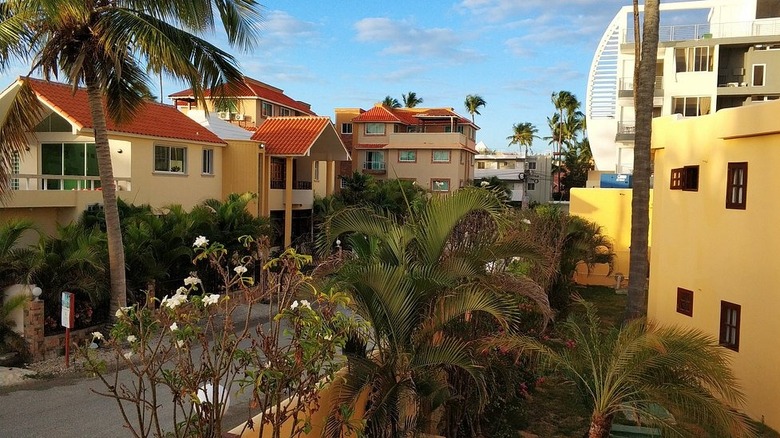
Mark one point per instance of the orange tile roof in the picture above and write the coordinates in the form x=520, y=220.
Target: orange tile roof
x=152, y=119
x=254, y=89
x=290, y=135
x=382, y=113
x=370, y=146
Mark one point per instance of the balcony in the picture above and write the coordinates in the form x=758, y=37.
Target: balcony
x=626, y=87
x=302, y=195
x=297, y=185
x=29, y=182
x=626, y=131
x=374, y=167
x=686, y=32
x=406, y=140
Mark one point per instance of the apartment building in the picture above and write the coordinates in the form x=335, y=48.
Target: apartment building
x=509, y=168
x=433, y=146
x=728, y=57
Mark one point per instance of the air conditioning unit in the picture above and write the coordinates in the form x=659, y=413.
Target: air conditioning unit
x=224, y=115
x=238, y=116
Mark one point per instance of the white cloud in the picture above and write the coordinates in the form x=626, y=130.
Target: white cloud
x=280, y=29
x=403, y=37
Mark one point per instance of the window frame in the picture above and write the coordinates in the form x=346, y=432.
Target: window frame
x=684, y=178
x=368, y=131
x=763, y=75
x=207, y=163
x=182, y=171
x=530, y=186
x=316, y=172
x=267, y=109
x=687, y=102
x=433, y=156
x=346, y=128
x=685, y=301
x=740, y=204
x=441, y=180
x=531, y=165
x=376, y=164
x=730, y=330
x=285, y=112
x=407, y=151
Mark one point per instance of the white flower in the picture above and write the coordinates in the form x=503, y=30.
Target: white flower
x=210, y=299
x=174, y=301
x=179, y=343
x=131, y=339
x=182, y=290
x=201, y=241
x=327, y=337
x=97, y=335
x=191, y=281
x=240, y=270
x=174, y=327
x=294, y=304
x=268, y=365
x=526, y=221
x=122, y=311
x=305, y=303
x=484, y=183
x=128, y=355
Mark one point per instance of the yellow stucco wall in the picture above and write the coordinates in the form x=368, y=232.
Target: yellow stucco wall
x=722, y=254
x=611, y=209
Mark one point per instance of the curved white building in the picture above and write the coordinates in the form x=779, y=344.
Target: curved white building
x=728, y=57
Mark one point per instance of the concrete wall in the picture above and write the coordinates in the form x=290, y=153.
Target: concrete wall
x=722, y=254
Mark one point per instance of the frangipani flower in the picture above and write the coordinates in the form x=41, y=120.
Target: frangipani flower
x=200, y=242
x=191, y=280
x=180, y=343
x=305, y=303
x=128, y=355
x=174, y=327
x=97, y=335
x=132, y=338
x=294, y=305
x=240, y=270
x=174, y=301
x=210, y=299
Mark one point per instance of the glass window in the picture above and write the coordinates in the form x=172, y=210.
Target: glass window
x=441, y=156
x=440, y=185
x=730, y=321
x=407, y=156
x=531, y=186
x=346, y=128
x=375, y=160
x=736, y=186
x=532, y=165
x=285, y=112
x=375, y=129
x=691, y=59
x=316, y=171
x=268, y=109
x=15, y=166
x=170, y=159
x=208, y=162
x=76, y=159
x=691, y=106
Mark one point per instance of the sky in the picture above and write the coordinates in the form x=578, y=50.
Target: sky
x=347, y=53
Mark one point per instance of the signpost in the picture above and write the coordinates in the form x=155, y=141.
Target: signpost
x=68, y=317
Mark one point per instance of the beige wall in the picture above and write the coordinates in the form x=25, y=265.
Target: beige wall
x=242, y=161
x=718, y=253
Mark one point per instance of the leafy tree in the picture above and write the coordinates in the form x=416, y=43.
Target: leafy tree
x=16, y=260
x=109, y=46
x=644, y=85
x=523, y=135
x=496, y=185
x=641, y=367
x=577, y=162
x=391, y=102
x=410, y=100
x=473, y=103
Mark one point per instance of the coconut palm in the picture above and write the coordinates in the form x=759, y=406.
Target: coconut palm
x=411, y=100
x=412, y=280
x=16, y=260
x=644, y=84
x=674, y=378
x=109, y=46
x=523, y=135
x=473, y=103
x=391, y=102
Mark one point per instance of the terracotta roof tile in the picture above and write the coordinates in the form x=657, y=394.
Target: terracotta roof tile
x=407, y=116
x=152, y=119
x=290, y=135
x=254, y=88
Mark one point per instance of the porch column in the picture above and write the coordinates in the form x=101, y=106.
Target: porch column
x=266, y=185
x=329, y=165
x=288, y=201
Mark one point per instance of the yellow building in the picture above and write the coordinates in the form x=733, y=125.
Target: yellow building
x=433, y=146
x=714, y=236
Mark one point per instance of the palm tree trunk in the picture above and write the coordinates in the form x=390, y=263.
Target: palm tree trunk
x=116, y=251
x=640, y=205
x=600, y=427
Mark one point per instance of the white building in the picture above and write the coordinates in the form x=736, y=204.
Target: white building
x=532, y=174
x=730, y=57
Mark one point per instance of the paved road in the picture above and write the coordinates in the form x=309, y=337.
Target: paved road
x=66, y=408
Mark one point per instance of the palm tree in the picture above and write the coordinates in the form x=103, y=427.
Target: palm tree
x=109, y=46
x=391, y=102
x=412, y=280
x=674, y=378
x=644, y=84
x=523, y=135
x=473, y=103
x=411, y=100
x=16, y=260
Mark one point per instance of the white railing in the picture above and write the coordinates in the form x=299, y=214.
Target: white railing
x=685, y=32
x=24, y=182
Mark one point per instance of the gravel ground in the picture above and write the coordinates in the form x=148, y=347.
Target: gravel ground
x=56, y=366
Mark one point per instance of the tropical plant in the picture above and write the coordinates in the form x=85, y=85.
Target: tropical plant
x=410, y=100
x=644, y=84
x=229, y=219
x=473, y=103
x=577, y=162
x=109, y=46
x=412, y=281
x=674, y=378
x=523, y=135
x=16, y=260
x=391, y=102
x=10, y=341
x=498, y=186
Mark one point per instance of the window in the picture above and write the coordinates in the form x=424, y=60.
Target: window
x=531, y=186
x=316, y=171
x=278, y=173
x=440, y=185
x=375, y=160
x=170, y=159
x=480, y=164
x=736, y=186
x=461, y=128
x=208, y=162
x=690, y=59
x=532, y=165
x=407, y=156
x=268, y=109
x=685, y=301
x=691, y=106
x=15, y=166
x=284, y=112
x=441, y=156
x=75, y=159
x=730, y=315
x=342, y=182
x=462, y=158
x=685, y=178
x=759, y=72
x=375, y=129
x=346, y=128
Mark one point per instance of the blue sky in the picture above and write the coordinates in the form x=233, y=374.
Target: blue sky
x=514, y=53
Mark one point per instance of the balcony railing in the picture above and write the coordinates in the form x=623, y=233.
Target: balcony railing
x=627, y=83
x=685, y=32
x=626, y=128
x=62, y=182
x=297, y=185
x=377, y=166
